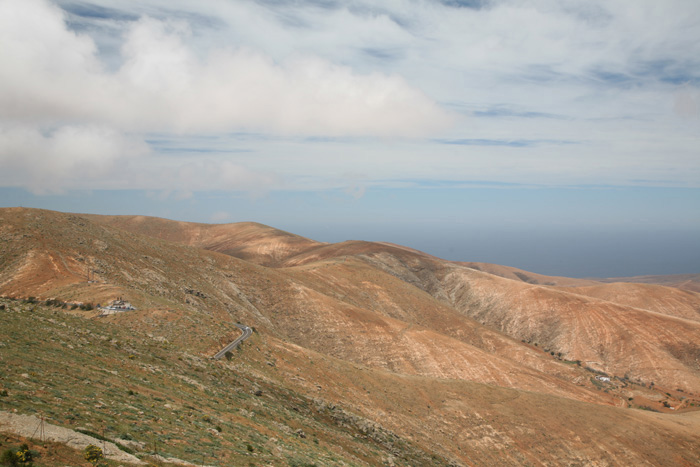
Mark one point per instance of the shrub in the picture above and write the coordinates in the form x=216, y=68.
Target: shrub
x=25, y=456
x=9, y=458
x=15, y=457
x=93, y=454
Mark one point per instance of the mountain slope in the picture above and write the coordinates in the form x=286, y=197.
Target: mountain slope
x=377, y=339
x=659, y=299
x=601, y=325
x=527, y=276
x=616, y=339
x=145, y=390
x=690, y=282
x=648, y=333
x=398, y=327
x=246, y=240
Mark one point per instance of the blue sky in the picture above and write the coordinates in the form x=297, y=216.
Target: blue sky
x=560, y=137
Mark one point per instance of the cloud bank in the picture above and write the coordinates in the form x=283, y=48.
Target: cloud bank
x=53, y=74
x=68, y=156
x=62, y=110
x=261, y=94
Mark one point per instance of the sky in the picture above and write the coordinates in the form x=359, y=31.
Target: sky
x=561, y=137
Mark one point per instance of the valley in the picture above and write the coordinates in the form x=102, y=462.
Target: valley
x=376, y=353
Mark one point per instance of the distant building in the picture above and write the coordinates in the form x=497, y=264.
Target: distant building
x=116, y=306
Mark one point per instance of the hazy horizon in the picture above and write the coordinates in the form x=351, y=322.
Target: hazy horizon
x=557, y=137
x=587, y=247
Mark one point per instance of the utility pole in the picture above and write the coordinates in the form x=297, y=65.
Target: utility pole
x=41, y=430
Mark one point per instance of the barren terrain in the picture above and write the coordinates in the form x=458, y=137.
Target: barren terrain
x=465, y=363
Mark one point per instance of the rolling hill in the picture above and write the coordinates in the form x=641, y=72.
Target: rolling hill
x=245, y=240
x=392, y=355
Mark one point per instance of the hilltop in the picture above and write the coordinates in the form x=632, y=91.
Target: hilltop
x=386, y=354
x=245, y=240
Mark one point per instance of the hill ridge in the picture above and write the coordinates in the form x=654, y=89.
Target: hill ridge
x=425, y=348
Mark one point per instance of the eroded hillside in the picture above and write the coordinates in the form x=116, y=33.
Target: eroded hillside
x=455, y=364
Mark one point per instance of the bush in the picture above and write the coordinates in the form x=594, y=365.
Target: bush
x=9, y=458
x=18, y=457
x=25, y=456
x=93, y=454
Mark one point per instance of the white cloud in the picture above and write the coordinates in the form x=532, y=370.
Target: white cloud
x=367, y=76
x=62, y=112
x=69, y=157
x=163, y=85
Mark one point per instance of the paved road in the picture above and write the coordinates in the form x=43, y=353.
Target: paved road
x=246, y=334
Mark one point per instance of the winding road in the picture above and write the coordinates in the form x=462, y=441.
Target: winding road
x=246, y=334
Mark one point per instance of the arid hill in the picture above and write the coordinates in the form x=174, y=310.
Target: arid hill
x=245, y=240
x=641, y=333
x=529, y=277
x=689, y=282
x=348, y=309
x=458, y=364
x=665, y=300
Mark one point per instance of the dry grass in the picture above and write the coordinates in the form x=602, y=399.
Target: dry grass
x=86, y=373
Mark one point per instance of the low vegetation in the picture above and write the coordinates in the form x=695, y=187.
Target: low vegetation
x=363, y=354
x=151, y=398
